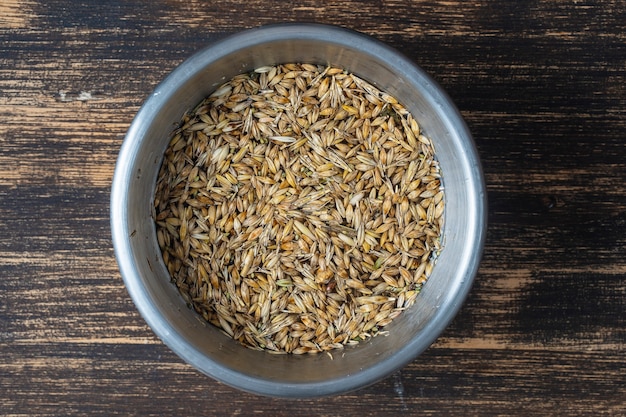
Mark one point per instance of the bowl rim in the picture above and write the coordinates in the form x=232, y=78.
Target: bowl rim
x=120, y=233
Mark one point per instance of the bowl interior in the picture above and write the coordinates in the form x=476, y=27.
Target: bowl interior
x=205, y=347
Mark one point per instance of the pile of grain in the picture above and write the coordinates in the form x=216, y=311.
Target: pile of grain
x=299, y=208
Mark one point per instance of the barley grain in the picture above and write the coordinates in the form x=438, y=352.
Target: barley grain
x=299, y=209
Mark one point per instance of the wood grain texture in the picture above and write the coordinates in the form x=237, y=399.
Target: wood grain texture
x=542, y=86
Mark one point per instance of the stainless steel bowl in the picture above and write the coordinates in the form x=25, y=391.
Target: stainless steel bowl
x=202, y=345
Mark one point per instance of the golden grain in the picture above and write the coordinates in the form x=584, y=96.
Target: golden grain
x=299, y=209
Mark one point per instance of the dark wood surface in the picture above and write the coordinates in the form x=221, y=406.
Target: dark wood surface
x=542, y=86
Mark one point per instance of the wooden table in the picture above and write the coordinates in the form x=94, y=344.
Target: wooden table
x=542, y=86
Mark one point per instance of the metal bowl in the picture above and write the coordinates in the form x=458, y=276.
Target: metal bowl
x=205, y=347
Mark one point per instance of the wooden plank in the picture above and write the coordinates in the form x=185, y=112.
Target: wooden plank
x=543, y=89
